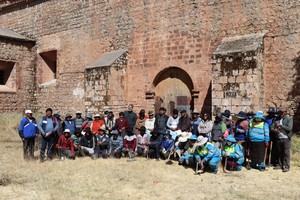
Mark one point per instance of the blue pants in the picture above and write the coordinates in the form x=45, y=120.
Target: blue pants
x=212, y=164
x=46, y=143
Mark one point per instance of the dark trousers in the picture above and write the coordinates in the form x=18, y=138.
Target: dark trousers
x=273, y=152
x=47, y=143
x=140, y=151
x=284, y=150
x=28, y=148
x=154, y=151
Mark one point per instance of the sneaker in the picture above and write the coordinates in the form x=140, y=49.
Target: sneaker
x=277, y=167
x=285, y=170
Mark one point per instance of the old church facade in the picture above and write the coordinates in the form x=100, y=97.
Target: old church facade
x=101, y=55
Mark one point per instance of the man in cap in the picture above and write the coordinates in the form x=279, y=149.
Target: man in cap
x=88, y=143
x=272, y=149
x=184, y=123
x=68, y=123
x=283, y=128
x=88, y=122
x=110, y=122
x=233, y=154
x=206, y=154
x=142, y=142
x=48, y=127
x=195, y=122
x=188, y=156
x=102, y=142
x=96, y=124
x=167, y=146
x=28, y=132
x=161, y=121
x=78, y=120
x=65, y=145
x=258, y=135
x=116, y=144
x=172, y=123
x=130, y=116
x=149, y=123
x=240, y=129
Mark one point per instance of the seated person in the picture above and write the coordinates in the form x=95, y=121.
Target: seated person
x=155, y=144
x=88, y=143
x=76, y=140
x=115, y=144
x=188, y=156
x=102, y=142
x=167, y=145
x=142, y=142
x=65, y=145
x=206, y=154
x=129, y=144
x=181, y=141
x=233, y=152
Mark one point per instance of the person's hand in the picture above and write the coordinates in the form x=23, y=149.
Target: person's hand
x=201, y=164
x=44, y=134
x=23, y=139
x=220, y=139
x=37, y=135
x=267, y=144
x=227, y=153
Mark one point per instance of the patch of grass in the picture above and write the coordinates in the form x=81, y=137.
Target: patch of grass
x=295, y=151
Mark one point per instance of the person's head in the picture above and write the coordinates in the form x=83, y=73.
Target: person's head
x=129, y=132
x=49, y=112
x=162, y=110
x=259, y=117
x=97, y=117
x=28, y=113
x=201, y=141
x=88, y=131
x=155, y=132
x=151, y=114
x=130, y=107
x=115, y=134
x=175, y=113
x=89, y=117
x=67, y=133
x=110, y=114
x=142, y=130
x=206, y=117
x=78, y=114
x=195, y=114
x=282, y=112
x=102, y=129
x=142, y=114
x=218, y=118
x=227, y=113
x=121, y=115
x=68, y=117
x=230, y=140
x=57, y=114
x=192, y=140
x=183, y=113
x=106, y=113
x=78, y=132
x=167, y=134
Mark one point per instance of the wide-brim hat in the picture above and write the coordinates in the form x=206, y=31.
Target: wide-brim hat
x=28, y=112
x=184, y=136
x=115, y=132
x=195, y=112
x=78, y=112
x=201, y=140
x=272, y=110
x=97, y=115
x=67, y=131
x=183, y=111
x=90, y=116
x=150, y=113
x=193, y=137
x=230, y=138
x=259, y=115
x=226, y=113
x=241, y=115
x=57, y=113
x=102, y=128
x=68, y=115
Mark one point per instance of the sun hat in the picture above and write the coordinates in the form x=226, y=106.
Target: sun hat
x=28, y=112
x=201, y=140
x=90, y=116
x=193, y=137
x=230, y=138
x=259, y=115
x=97, y=115
x=102, y=128
x=184, y=136
x=78, y=112
x=241, y=115
x=67, y=131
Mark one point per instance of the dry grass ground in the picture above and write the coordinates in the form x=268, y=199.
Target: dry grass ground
x=84, y=178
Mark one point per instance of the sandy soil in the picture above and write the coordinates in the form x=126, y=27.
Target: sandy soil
x=84, y=178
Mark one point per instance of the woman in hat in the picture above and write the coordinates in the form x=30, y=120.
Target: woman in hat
x=206, y=154
x=195, y=122
x=110, y=122
x=240, y=129
x=167, y=145
x=87, y=123
x=188, y=156
x=234, y=154
x=258, y=136
x=96, y=124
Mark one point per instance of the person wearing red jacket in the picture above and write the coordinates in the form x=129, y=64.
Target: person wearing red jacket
x=121, y=124
x=65, y=145
x=129, y=144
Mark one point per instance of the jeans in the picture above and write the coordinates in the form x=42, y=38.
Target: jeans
x=28, y=148
x=48, y=143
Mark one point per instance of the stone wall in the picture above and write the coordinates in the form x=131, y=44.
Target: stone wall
x=157, y=34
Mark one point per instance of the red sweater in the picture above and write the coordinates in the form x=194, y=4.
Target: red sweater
x=120, y=124
x=65, y=143
x=130, y=142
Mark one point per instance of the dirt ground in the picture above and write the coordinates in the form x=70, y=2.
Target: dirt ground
x=84, y=178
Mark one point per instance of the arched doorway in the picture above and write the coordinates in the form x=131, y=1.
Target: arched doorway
x=173, y=88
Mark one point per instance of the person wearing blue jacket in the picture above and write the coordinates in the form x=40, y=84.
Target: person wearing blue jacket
x=234, y=154
x=258, y=138
x=69, y=123
x=115, y=144
x=188, y=156
x=28, y=132
x=48, y=127
x=206, y=154
x=167, y=145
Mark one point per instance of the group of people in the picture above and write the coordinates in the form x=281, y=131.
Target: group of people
x=252, y=140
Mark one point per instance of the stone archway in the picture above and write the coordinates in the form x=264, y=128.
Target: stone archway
x=173, y=89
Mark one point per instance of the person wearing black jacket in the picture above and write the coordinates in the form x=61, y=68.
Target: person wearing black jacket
x=131, y=117
x=88, y=143
x=161, y=120
x=154, y=144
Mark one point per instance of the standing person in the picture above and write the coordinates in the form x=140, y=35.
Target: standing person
x=65, y=145
x=240, y=130
x=59, y=123
x=184, y=123
x=102, y=142
x=272, y=150
x=87, y=123
x=116, y=145
x=227, y=120
x=205, y=126
x=96, y=124
x=48, y=127
x=140, y=121
x=28, y=132
x=195, y=122
x=161, y=121
x=154, y=144
x=110, y=122
x=68, y=123
x=88, y=143
x=283, y=128
x=122, y=124
x=258, y=135
x=172, y=123
x=149, y=123
x=142, y=142
x=218, y=130
x=78, y=120
x=130, y=116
